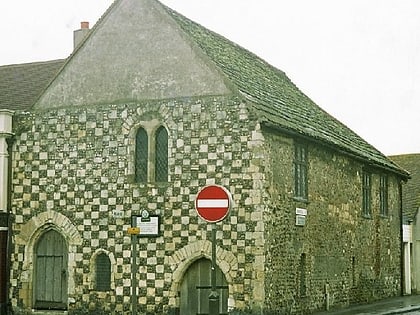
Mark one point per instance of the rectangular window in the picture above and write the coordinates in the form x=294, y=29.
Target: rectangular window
x=302, y=275
x=383, y=195
x=367, y=195
x=353, y=271
x=301, y=171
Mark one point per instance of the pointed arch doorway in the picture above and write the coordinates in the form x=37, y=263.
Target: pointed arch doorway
x=196, y=287
x=50, y=277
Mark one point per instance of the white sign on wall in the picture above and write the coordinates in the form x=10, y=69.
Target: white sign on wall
x=149, y=227
x=301, y=216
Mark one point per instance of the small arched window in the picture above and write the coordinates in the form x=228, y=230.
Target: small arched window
x=151, y=154
x=161, y=153
x=142, y=153
x=103, y=272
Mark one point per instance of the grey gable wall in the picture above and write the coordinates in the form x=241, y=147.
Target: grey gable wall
x=135, y=52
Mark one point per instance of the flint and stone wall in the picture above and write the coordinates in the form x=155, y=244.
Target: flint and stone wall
x=73, y=171
x=338, y=257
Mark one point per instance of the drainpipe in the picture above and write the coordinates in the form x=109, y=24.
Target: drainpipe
x=402, y=269
x=327, y=296
x=5, y=233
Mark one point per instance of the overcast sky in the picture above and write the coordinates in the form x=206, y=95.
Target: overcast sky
x=357, y=59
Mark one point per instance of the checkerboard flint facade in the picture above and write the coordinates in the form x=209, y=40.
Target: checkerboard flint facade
x=73, y=171
x=232, y=120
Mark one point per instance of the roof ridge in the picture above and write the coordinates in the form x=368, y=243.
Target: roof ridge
x=407, y=155
x=268, y=89
x=276, y=97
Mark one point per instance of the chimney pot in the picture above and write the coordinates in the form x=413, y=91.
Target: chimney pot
x=84, y=25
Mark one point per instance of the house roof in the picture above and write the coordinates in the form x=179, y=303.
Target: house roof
x=411, y=189
x=278, y=101
x=22, y=84
x=163, y=43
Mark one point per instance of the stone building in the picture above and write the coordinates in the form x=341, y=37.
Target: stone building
x=411, y=232
x=150, y=108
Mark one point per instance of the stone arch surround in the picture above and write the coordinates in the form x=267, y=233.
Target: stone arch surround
x=182, y=259
x=28, y=237
x=150, y=119
x=92, y=267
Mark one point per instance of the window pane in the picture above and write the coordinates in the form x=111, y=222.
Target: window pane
x=301, y=170
x=161, y=166
x=298, y=176
x=302, y=274
x=103, y=273
x=141, y=156
x=384, y=195
x=366, y=194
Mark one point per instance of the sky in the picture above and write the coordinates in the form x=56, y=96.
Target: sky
x=359, y=60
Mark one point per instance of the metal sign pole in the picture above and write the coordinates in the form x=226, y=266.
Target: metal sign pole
x=213, y=204
x=134, y=269
x=214, y=295
x=4, y=237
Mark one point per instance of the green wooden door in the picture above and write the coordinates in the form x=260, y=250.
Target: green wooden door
x=50, y=283
x=196, y=288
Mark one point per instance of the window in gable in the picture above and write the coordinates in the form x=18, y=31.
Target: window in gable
x=301, y=171
x=103, y=273
x=383, y=195
x=367, y=195
x=161, y=152
x=141, y=158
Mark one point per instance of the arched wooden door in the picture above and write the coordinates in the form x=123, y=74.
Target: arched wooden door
x=50, y=278
x=196, y=288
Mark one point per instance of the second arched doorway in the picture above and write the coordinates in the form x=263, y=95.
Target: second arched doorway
x=196, y=287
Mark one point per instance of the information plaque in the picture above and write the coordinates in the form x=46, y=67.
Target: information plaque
x=149, y=226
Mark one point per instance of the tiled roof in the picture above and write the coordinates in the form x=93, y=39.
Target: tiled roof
x=411, y=189
x=278, y=102
x=22, y=84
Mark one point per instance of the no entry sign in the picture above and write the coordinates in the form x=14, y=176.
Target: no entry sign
x=213, y=203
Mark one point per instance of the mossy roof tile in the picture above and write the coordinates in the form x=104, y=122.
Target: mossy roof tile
x=22, y=84
x=411, y=189
x=277, y=99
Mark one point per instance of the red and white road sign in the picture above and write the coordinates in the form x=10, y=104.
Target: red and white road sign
x=213, y=203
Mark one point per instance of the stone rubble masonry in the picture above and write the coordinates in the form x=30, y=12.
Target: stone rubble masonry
x=347, y=258
x=74, y=167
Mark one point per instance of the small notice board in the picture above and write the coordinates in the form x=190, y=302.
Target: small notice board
x=149, y=227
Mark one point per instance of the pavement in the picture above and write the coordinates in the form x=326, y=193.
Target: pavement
x=396, y=305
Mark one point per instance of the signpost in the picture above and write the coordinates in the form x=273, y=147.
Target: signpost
x=4, y=261
x=212, y=204
x=144, y=225
x=134, y=232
